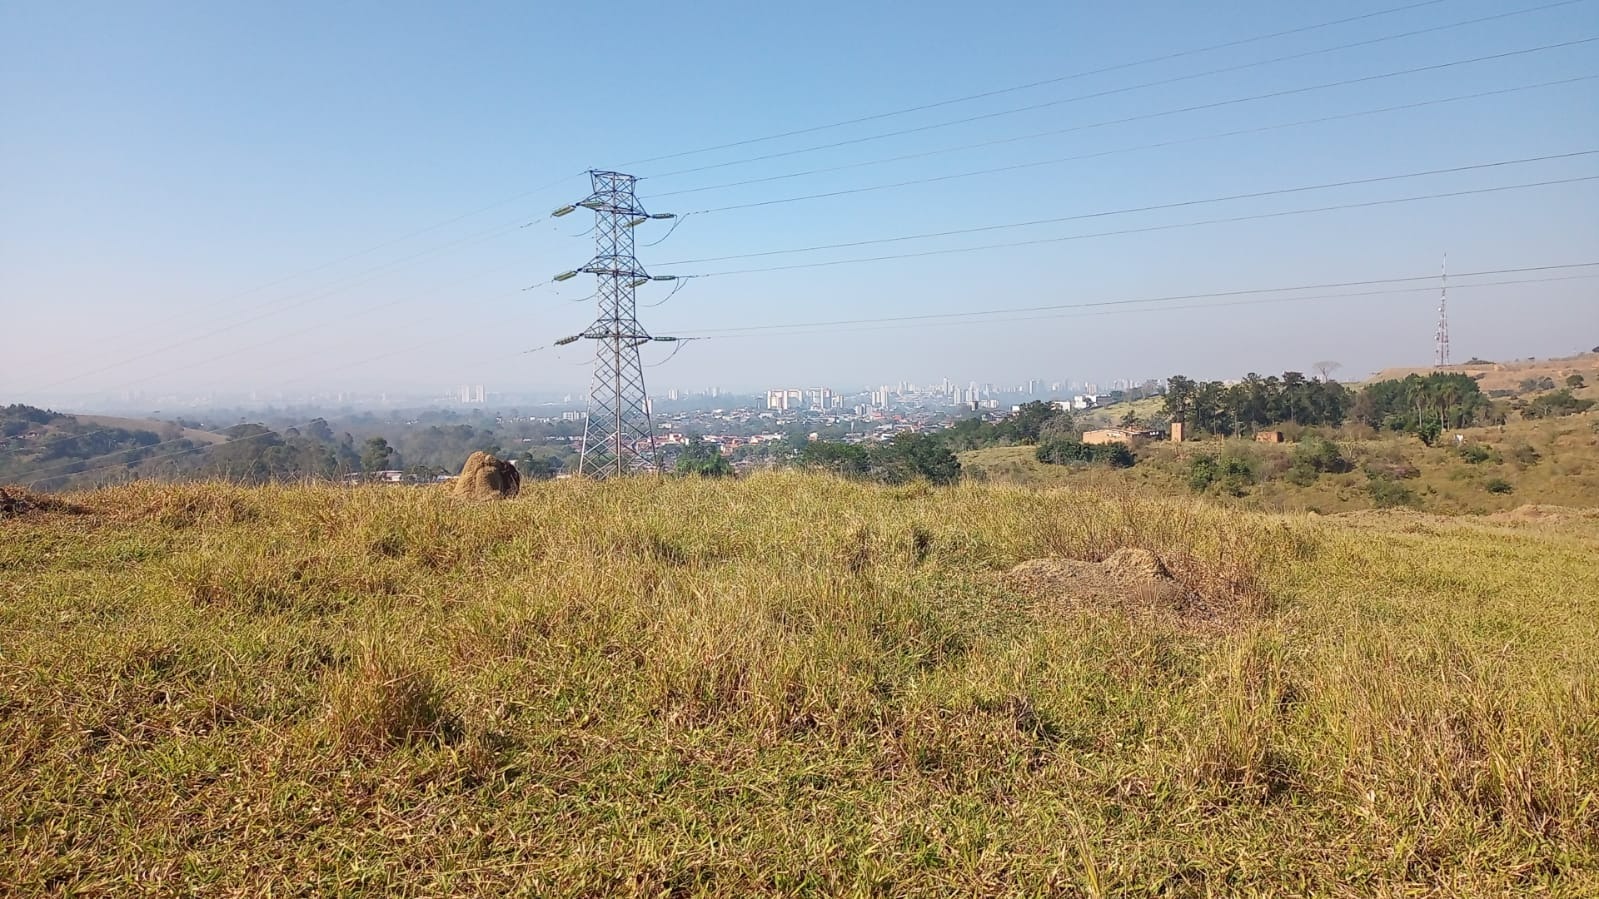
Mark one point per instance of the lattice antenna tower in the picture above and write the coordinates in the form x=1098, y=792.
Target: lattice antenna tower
x=618, y=438
x=1440, y=353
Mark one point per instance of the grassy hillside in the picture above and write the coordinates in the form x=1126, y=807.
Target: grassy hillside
x=1510, y=374
x=788, y=684
x=1548, y=462
x=167, y=429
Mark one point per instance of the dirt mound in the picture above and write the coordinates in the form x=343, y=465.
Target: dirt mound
x=1132, y=580
x=486, y=477
x=1541, y=513
x=16, y=502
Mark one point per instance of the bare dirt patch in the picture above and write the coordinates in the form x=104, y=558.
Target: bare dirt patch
x=16, y=502
x=1543, y=514
x=1129, y=580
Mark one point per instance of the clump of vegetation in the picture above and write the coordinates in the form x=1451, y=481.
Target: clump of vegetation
x=1556, y=404
x=703, y=459
x=1067, y=452
x=1423, y=406
x=1313, y=457
x=1032, y=423
x=1525, y=454
x=907, y=457
x=382, y=704
x=1231, y=473
x=1387, y=493
x=1498, y=485
x=1476, y=453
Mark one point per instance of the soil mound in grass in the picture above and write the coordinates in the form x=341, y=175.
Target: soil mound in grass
x=16, y=502
x=1129, y=579
x=487, y=477
x=1552, y=514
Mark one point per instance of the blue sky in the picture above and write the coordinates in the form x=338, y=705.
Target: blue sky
x=171, y=171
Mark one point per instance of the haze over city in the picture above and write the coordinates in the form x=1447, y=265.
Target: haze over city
x=299, y=197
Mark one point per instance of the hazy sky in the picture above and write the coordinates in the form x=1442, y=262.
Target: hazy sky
x=295, y=195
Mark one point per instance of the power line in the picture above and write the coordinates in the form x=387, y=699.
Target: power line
x=321, y=325
x=1079, y=157
x=1051, y=316
x=379, y=246
x=1099, y=94
x=1168, y=298
x=1042, y=83
x=933, y=319
x=1135, y=209
x=1153, y=228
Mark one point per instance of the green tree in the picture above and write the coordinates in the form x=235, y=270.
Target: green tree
x=846, y=459
x=1180, y=394
x=1025, y=424
x=1575, y=381
x=703, y=459
x=375, y=455
x=909, y=457
x=1556, y=404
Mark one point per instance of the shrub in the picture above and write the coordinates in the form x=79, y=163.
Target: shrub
x=1302, y=476
x=1498, y=485
x=1389, y=494
x=1554, y=405
x=1524, y=454
x=1475, y=453
x=1319, y=455
x=1235, y=474
x=1391, y=470
x=1065, y=452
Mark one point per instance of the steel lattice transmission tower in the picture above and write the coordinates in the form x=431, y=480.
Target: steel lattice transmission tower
x=618, y=437
x=1440, y=353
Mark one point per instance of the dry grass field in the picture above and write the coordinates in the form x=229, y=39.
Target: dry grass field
x=789, y=684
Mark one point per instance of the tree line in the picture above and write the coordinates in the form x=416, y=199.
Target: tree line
x=1212, y=407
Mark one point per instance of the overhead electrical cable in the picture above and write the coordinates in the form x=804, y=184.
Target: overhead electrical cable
x=900, y=321
x=883, y=135
x=1153, y=228
x=1128, y=311
x=1168, y=298
x=1403, y=107
x=1151, y=60
x=382, y=245
x=1251, y=195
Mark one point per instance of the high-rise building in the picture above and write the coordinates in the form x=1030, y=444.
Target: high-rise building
x=785, y=398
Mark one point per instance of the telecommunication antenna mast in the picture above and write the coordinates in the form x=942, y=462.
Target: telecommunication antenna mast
x=618, y=437
x=1440, y=354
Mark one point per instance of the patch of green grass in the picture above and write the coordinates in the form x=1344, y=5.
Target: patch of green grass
x=785, y=684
